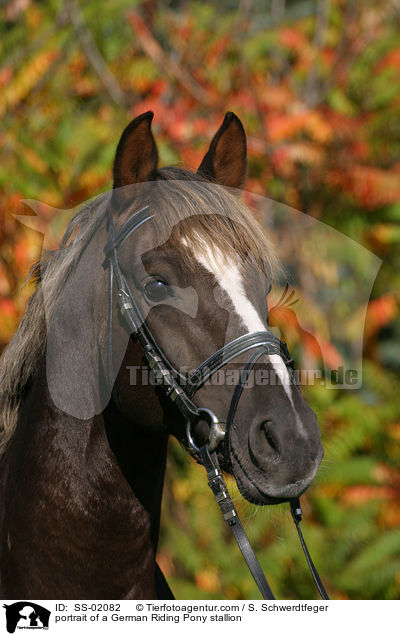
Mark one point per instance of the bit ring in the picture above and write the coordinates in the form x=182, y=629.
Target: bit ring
x=217, y=431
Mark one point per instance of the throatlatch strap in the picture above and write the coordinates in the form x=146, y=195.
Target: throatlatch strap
x=221, y=495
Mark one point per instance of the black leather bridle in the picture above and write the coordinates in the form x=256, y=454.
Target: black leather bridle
x=180, y=389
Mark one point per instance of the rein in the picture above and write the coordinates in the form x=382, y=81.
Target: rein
x=180, y=389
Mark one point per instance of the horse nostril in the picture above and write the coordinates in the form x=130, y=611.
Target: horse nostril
x=271, y=437
x=265, y=448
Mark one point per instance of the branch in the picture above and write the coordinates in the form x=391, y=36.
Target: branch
x=93, y=54
x=277, y=11
x=312, y=97
x=164, y=61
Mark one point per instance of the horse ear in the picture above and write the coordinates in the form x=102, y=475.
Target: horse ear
x=136, y=157
x=226, y=159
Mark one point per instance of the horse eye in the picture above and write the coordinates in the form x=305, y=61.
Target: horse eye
x=156, y=290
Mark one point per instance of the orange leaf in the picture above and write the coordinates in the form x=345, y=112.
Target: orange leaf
x=391, y=59
x=293, y=39
x=370, y=186
x=380, y=312
x=362, y=494
x=207, y=580
x=6, y=74
x=281, y=126
x=330, y=354
x=7, y=307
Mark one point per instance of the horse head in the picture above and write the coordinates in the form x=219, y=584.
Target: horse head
x=199, y=269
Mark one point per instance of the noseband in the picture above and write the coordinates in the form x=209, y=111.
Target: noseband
x=180, y=389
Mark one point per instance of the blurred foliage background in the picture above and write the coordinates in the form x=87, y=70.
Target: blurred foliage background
x=317, y=85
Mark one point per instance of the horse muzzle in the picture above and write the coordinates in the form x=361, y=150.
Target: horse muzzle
x=271, y=461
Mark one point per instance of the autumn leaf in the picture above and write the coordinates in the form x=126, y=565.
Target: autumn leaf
x=380, y=312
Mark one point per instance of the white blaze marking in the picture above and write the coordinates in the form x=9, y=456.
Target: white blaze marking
x=230, y=280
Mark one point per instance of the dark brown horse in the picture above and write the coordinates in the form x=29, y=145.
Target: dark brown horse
x=82, y=465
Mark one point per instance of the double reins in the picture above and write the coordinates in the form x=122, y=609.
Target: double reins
x=180, y=389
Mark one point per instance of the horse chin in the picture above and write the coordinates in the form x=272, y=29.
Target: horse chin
x=250, y=485
x=260, y=488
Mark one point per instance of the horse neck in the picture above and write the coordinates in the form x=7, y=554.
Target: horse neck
x=109, y=450
x=141, y=459
x=137, y=434
x=106, y=498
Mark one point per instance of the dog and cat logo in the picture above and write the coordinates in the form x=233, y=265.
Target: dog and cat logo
x=26, y=615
